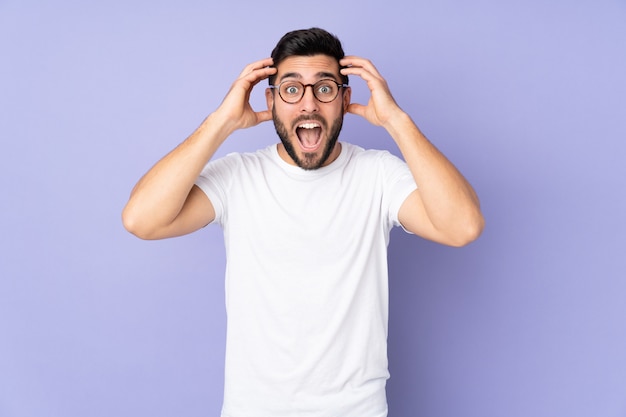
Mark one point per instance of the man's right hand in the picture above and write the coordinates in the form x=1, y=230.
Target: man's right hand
x=235, y=109
x=165, y=202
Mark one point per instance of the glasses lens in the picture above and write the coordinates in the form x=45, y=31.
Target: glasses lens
x=325, y=90
x=293, y=91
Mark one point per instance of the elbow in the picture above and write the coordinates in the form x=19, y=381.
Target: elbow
x=132, y=222
x=469, y=232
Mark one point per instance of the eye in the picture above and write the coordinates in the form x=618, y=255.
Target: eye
x=325, y=88
x=291, y=89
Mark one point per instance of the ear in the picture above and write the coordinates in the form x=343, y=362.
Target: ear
x=269, y=98
x=347, y=95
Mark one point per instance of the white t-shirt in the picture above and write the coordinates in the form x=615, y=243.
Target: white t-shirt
x=306, y=280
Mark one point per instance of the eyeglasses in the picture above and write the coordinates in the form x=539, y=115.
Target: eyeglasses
x=324, y=91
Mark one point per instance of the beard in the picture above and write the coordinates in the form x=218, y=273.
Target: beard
x=309, y=160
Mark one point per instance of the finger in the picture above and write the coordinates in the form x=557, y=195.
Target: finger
x=359, y=71
x=260, y=74
x=257, y=71
x=373, y=82
x=357, y=109
x=264, y=116
x=355, y=61
x=262, y=63
x=246, y=82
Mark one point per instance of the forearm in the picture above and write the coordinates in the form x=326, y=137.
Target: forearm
x=449, y=200
x=445, y=208
x=160, y=194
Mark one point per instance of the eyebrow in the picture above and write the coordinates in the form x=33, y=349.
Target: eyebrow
x=320, y=75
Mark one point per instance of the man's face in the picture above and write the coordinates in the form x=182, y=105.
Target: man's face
x=309, y=128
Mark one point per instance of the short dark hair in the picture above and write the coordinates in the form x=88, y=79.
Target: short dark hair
x=308, y=42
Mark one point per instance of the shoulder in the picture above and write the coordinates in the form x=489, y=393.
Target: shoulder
x=370, y=157
x=379, y=166
x=238, y=160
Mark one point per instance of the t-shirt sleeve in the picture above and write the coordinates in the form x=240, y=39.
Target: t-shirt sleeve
x=399, y=183
x=215, y=180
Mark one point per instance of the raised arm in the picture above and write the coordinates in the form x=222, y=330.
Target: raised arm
x=165, y=202
x=445, y=207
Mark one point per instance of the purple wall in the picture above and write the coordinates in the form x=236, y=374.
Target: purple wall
x=527, y=99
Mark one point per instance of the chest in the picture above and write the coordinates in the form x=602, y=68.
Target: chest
x=299, y=217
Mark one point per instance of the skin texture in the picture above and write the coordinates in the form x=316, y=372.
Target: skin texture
x=309, y=160
x=165, y=202
x=308, y=70
x=445, y=208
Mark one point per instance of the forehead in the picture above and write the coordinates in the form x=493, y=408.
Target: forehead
x=308, y=67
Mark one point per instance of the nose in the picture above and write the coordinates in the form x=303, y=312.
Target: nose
x=309, y=102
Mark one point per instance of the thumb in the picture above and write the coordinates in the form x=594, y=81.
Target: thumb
x=357, y=109
x=263, y=116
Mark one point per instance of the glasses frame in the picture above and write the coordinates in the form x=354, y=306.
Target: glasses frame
x=304, y=86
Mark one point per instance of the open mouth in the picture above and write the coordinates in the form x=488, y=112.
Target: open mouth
x=309, y=135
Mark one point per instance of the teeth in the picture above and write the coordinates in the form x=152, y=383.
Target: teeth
x=308, y=125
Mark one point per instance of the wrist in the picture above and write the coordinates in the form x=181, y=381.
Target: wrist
x=397, y=121
x=220, y=124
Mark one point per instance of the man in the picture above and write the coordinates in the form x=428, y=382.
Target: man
x=306, y=225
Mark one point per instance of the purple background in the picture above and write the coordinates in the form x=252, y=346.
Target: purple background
x=526, y=98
